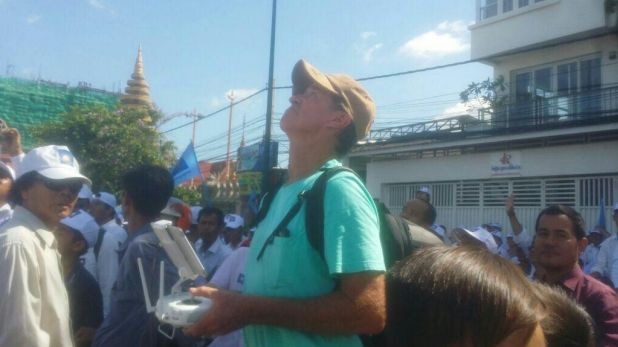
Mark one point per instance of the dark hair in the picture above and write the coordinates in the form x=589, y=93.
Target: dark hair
x=149, y=187
x=565, y=323
x=207, y=211
x=576, y=219
x=346, y=140
x=24, y=182
x=440, y=296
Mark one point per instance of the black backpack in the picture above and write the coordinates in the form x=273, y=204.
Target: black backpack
x=395, y=236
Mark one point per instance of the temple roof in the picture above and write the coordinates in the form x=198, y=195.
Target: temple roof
x=137, y=92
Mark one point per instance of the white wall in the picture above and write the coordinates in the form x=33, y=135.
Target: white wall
x=583, y=159
x=535, y=23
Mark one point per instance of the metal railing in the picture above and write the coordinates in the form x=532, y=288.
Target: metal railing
x=562, y=109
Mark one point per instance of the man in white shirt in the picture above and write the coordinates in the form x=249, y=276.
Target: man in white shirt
x=109, y=239
x=34, y=307
x=234, y=225
x=209, y=247
x=606, y=266
x=590, y=254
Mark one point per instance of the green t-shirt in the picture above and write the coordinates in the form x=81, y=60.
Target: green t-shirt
x=291, y=268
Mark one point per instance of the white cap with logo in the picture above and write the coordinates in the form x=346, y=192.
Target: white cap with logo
x=54, y=162
x=233, y=221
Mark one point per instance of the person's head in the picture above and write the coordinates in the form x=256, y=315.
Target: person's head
x=328, y=102
x=234, y=225
x=419, y=212
x=147, y=189
x=75, y=234
x=615, y=214
x=595, y=237
x=564, y=322
x=424, y=193
x=559, y=238
x=83, y=199
x=436, y=297
x=192, y=233
x=209, y=223
x=7, y=176
x=103, y=207
x=48, y=181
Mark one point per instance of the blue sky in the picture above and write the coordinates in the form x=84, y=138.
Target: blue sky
x=197, y=51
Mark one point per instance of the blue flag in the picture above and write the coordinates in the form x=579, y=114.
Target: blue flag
x=187, y=167
x=601, y=219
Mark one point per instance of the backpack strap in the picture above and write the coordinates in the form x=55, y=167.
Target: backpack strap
x=314, y=212
x=267, y=199
x=97, y=244
x=281, y=228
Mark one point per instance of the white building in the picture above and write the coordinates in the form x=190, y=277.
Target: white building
x=553, y=140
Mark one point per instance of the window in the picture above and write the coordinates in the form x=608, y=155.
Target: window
x=494, y=193
x=489, y=8
x=507, y=5
x=528, y=192
x=560, y=191
x=523, y=3
x=468, y=194
x=592, y=190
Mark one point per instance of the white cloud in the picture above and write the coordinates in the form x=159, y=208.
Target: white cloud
x=367, y=46
x=239, y=94
x=99, y=5
x=472, y=107
x=447, y=38
x=33, y=18
x=367, y=34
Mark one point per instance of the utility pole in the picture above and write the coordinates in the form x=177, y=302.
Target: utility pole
x=269, y=103
x=194, y=114
x=230, y=96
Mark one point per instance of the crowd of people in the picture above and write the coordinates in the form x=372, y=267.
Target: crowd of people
x=69, y=258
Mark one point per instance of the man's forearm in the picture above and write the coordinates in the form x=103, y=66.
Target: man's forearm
x=339, y=312
x=515, y=225
x=358, y=306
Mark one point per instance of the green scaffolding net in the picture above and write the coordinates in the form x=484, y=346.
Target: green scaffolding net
x=24, y=103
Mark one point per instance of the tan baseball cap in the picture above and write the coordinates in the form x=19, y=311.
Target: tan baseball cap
x=355, y=100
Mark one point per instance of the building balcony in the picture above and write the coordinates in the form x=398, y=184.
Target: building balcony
x=595, y=106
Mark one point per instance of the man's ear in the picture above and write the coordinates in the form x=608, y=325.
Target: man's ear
x=339, y=120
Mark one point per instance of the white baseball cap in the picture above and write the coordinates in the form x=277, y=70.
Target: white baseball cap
x=485, y=237
x=616, y=207
x=82, y=222
x=233, y=221
x=425, y=190
x=107, y=198
x=54, y=162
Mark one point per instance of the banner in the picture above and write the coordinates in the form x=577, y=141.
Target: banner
x=186, y=167
x=251, y=158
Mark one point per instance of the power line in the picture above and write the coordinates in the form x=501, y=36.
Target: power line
x=215, y=112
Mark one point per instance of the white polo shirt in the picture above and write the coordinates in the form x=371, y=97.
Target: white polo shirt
x=34, y=306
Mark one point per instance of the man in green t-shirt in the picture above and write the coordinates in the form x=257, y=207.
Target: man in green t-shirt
x=293, y=296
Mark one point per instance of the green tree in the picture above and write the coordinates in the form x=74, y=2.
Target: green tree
x=191, y=196
x=488, y=93
x=107, y=142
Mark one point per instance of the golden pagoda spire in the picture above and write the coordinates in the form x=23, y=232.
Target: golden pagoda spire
x=137, y=92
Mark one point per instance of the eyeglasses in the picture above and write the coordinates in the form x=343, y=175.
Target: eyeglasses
x=74, y=186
